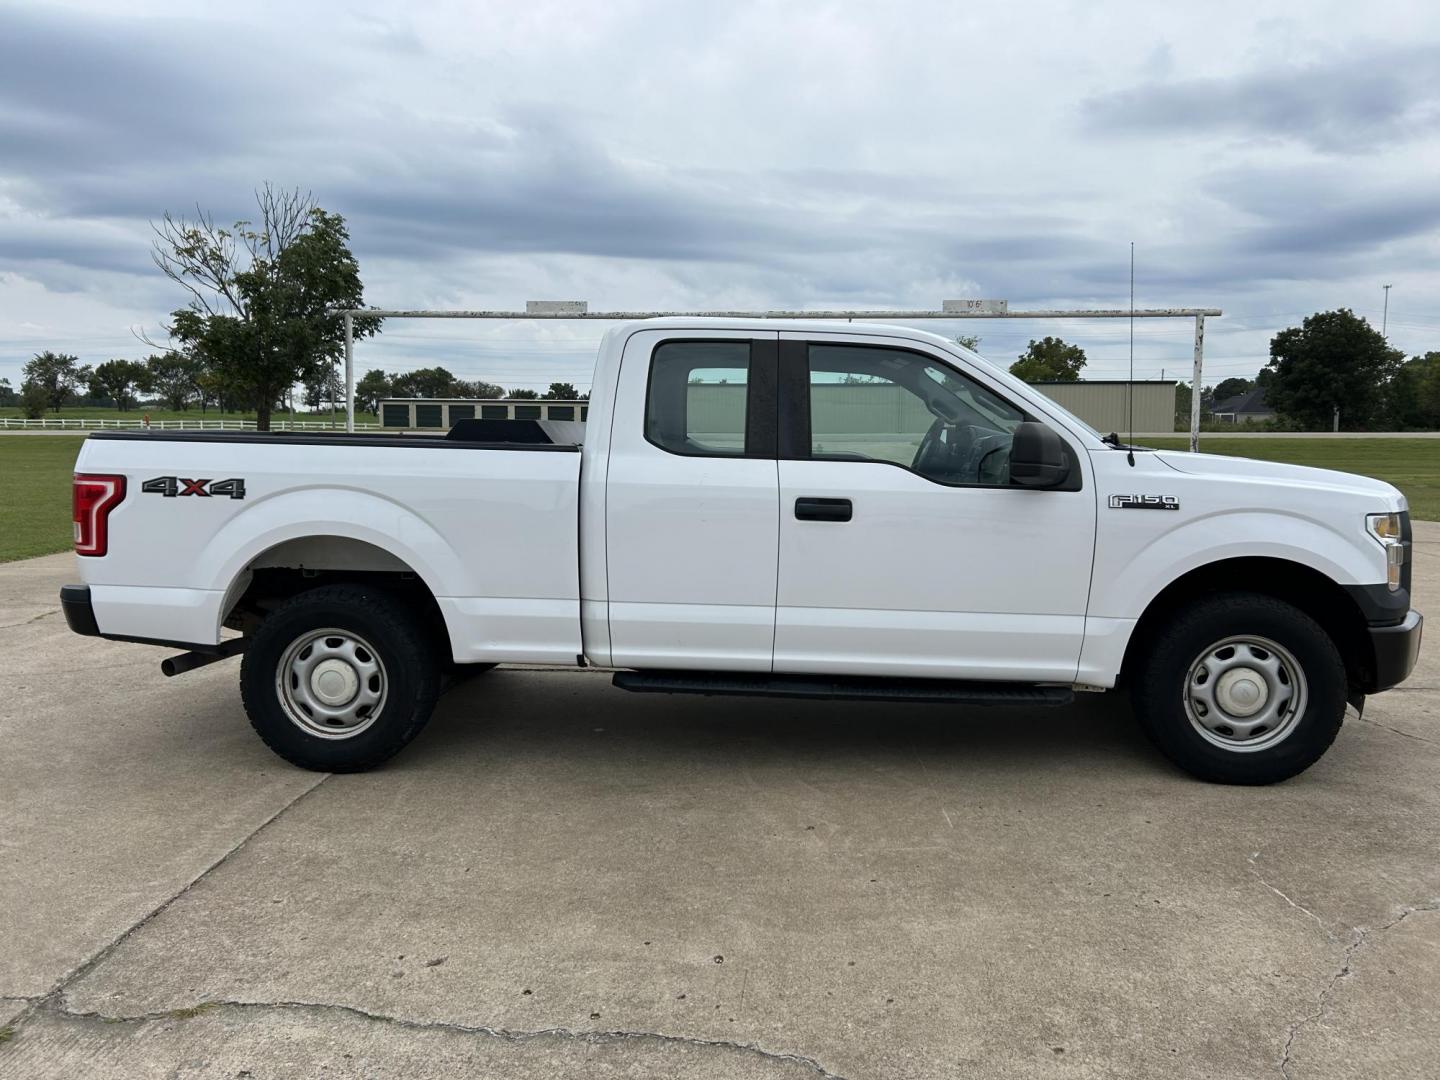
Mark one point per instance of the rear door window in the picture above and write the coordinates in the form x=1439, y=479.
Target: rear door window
x=698, y=397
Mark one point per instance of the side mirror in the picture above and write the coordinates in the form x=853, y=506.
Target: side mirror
x=1037, y=457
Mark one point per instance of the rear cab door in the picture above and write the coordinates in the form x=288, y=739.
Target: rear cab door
x=692, y=501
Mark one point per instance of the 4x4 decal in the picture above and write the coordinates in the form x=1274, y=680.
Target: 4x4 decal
x=175, y=486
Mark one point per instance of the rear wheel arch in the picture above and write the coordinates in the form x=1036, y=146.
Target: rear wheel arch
x=300, y=564
x=1308, y=589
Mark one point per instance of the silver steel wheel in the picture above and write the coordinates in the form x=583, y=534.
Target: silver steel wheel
x=331, y=683
x=1245, y=694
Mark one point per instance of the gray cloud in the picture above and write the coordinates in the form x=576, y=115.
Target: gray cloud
x=906, y=160
x=1346, y=105
x=90, y=94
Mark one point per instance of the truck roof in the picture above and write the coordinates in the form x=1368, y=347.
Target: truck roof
x=831, y=326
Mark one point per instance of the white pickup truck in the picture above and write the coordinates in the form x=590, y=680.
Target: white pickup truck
x=755, y=507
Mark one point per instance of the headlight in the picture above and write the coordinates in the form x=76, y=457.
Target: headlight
x=1387, y=529
x=1384, y=527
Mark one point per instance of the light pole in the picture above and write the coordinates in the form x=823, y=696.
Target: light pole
x=1385, y=315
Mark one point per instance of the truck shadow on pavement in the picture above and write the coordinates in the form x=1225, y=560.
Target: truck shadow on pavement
x=580, y=714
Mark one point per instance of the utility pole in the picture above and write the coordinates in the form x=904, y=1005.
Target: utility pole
x=1385, y=315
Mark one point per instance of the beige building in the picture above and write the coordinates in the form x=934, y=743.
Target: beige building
x=1105, y=404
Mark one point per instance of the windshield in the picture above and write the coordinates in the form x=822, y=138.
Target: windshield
x=1080, y=424
x=1057, y=407
x=1053, y=404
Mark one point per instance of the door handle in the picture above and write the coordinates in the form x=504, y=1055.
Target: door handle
x=824, y=509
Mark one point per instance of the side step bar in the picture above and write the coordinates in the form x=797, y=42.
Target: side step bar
x=862, y=687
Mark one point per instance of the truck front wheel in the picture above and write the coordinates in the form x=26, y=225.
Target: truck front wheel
x=1241, y=688
x=339, y=679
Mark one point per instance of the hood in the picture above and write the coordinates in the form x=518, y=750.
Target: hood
x=1218, y=465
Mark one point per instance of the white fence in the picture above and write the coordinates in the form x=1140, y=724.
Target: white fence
x=77, y=423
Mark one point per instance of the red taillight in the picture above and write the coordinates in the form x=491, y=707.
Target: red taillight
x=94, y=497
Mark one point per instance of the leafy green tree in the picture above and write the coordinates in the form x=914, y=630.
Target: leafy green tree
x=34, y=399
x=478, y=389
x=7, y=393
x=1182, y=404
x=1429, y=388
x=59, y=375
x=969, y=341
x=433, y=382
x=116, y=381
x=1412, y=398
x=323, y=388
x=523, y=395
x=1049, y=360
x=210, y=389
x=1233, y=388
x=171, y=377
x=262, y=296
x=371, y=387
x=1334, y=360
x=561, y=391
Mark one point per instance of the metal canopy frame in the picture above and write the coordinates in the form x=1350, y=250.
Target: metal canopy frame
x=1198, y=314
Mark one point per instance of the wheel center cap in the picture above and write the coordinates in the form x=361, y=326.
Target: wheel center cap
x=334, y=682
x=1242, y=691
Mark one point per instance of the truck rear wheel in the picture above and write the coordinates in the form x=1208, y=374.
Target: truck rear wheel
x=340, y=678
x=1241, y=688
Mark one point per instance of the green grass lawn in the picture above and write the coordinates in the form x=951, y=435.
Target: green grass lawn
x=35, y=475
x=1412, y=465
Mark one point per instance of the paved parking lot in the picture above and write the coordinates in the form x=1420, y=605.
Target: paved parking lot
x=560, y=880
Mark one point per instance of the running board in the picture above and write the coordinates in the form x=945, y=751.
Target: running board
x=861, y=687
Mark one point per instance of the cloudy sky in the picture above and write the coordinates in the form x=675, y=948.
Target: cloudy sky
x=1268, y=159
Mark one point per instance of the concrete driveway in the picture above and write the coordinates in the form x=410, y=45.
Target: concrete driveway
x=561, y=880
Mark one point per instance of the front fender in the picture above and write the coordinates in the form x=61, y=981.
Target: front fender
x=1132, y=570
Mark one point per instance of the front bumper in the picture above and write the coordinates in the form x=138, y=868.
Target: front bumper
x=1396, y=648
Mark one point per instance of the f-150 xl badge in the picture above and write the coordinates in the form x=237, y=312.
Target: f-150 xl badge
x=1144, y=502
x=174, y=486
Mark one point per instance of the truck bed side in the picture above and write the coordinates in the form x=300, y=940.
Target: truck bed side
x=490, y=530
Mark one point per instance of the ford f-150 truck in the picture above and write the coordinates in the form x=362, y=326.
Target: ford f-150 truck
x=756, y=507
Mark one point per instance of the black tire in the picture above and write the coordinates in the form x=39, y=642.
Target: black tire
x=408, y=667
x=1160, y=690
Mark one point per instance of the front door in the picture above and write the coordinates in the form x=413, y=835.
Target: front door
x=904, y=550
x=691, y=502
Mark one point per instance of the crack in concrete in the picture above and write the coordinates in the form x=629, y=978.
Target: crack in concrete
x=32, y=619
x=1397, y=731
x=55, y=1006
x=1255, y=873
x=56, y=993
x=1362, y=935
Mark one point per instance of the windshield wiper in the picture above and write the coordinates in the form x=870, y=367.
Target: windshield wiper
x=1113, y=439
